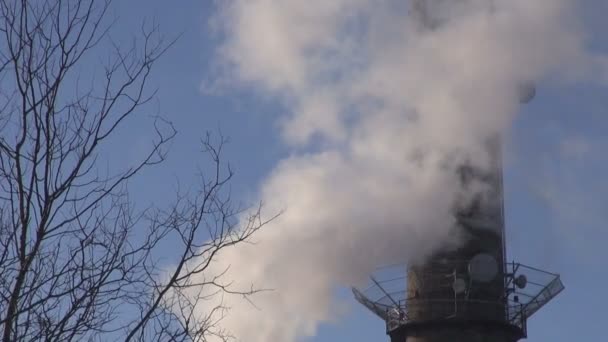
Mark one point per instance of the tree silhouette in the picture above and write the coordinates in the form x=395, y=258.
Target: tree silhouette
x=77, y=261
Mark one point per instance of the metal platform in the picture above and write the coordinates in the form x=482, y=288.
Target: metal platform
x=388, y=298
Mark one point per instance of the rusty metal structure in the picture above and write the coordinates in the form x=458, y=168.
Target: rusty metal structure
x=470, y=294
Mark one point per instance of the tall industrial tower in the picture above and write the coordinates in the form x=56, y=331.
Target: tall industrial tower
x=470, y=294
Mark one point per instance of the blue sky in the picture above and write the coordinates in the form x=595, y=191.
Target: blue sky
x=556, y=190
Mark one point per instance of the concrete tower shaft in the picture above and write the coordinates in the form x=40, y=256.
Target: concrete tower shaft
x=471, y=293
x=454, y=294
x=436, y=287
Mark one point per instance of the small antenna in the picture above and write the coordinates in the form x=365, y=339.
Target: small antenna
x=521, y=281
x=459, y=286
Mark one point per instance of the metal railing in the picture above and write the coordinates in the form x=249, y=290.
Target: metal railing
x=427, y=310
x=388, y=298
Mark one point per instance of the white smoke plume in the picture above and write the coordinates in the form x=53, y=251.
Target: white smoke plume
x=385, y=113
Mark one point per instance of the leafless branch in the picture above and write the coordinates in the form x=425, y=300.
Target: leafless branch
x=78, y=262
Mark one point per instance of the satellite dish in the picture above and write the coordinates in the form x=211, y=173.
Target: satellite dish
x=459, y=286
x=521, y=281
x=526, y=91
x=483, y=268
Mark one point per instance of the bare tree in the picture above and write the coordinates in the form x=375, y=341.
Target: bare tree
x=77, y=261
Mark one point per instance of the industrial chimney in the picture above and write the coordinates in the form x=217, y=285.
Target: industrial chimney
x=471, y=293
